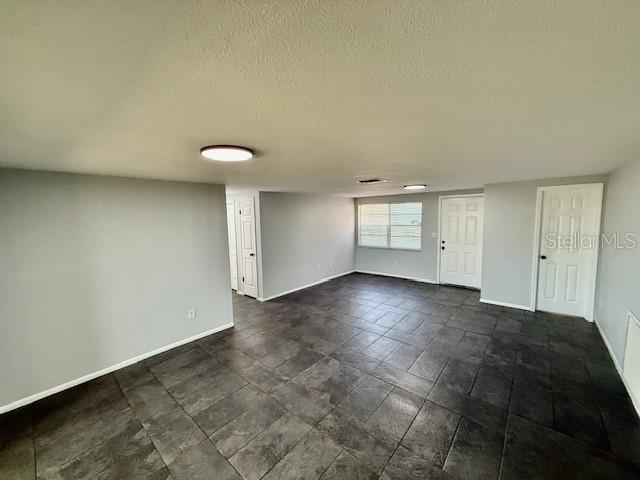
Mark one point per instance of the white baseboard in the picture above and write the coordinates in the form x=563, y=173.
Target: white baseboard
x=404, y=277
x=635, y=401
x=509, y=305
x=51, y=391
x=322, y=280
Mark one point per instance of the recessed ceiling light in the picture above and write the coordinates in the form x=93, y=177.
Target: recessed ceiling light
x=420, y=186
x=226, y=153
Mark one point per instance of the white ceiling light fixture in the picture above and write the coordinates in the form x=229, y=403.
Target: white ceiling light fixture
x=226, y=153
x=420, y=186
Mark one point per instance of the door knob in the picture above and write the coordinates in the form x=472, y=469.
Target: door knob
x=442, y=247
x=252, y=254
x=543, y=257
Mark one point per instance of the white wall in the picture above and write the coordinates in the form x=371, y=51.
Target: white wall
x=98, y=270
x=509, y=224
x=421, y=265
x=300, y=235
x=619, y=269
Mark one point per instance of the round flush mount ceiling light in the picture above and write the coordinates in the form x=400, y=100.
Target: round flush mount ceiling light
x=226, y=153
x=420, y=186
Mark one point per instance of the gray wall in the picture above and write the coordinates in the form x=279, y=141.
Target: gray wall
x=300, y=232
x=509, y=223
x=619, y=269
x=98, y=270
x=419, y=265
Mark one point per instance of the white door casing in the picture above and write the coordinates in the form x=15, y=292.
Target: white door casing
x=249, y=267
x=460, y=242
x=233, y=252
x=568, y=230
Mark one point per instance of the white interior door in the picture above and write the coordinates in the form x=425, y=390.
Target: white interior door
x=461, y=221
x=233, y=252
x=568, y=248
x=248, y=247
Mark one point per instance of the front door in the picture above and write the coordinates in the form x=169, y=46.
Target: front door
x=248, y=243
x=569, y=230
x=461, y=220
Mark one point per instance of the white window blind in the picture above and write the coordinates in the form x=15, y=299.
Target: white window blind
x=390, y=225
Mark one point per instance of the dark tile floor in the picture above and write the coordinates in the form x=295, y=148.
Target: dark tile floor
x=358, y=378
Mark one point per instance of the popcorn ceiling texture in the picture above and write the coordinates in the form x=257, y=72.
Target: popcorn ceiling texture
x=453, y=93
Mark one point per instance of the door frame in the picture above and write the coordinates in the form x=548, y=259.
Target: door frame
x=591, y=299
x=235, y=234
x=440, y=198
x=238, y=218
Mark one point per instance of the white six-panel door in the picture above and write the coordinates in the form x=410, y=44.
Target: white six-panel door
x=461, y=222
x=233, y=252
x=248, y=247
x=569, y=230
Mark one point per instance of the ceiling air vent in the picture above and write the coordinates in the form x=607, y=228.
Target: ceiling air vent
x=367, y=181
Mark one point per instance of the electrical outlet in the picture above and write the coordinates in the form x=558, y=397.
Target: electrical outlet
x=192, y=313
x=330, y=263
x=317, y=266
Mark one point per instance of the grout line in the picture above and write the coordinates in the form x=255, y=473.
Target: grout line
x=133, y=410
x=506, y=428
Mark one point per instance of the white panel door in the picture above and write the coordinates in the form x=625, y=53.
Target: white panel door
x=569, y=225
x=461, y=221
x=233, y=252
x=248, y=247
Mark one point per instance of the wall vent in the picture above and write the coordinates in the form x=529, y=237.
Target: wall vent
x=367, y=181
x=631, y=369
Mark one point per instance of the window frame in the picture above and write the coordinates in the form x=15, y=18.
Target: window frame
x=388, y=236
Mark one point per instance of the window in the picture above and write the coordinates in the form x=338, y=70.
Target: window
x=390, y=225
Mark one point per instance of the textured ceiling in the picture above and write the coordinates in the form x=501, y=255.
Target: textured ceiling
x=451, y=93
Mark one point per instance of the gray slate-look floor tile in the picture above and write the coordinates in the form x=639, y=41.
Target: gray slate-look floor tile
x=459, y=376
x=371, y=448
x=299, y=363
x=403, y=356
x=536, y=452
x=145, y=464
x=366, y=397
x=306, y=404
x=382, y=347
x=93, y=457
x=202, y=462
x=476, y=452
x=532, y=401
x=405, y=465
x=242, y=429
x=406, y=381
x=532, y=375
x=429, y=365
x=181, y=367
x=263, y=452
x=307, y=460
x=17, y=458
x=431, y=433
x=347, y=467
x=492, y=387
x=199, y=392
x=395, y=414
x=172, y=432
x=481, y=412
x=229, y=408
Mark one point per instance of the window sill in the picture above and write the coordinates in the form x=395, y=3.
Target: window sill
x=391, y=249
